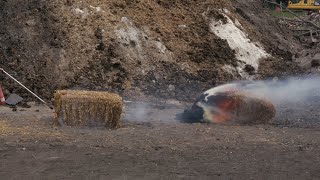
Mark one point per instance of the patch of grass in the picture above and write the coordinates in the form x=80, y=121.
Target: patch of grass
x=287, y=14
x=7, y=129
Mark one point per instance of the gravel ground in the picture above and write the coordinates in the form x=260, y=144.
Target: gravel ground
x=153, y=145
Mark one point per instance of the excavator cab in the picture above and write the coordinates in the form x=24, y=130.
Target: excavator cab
x=304, y=4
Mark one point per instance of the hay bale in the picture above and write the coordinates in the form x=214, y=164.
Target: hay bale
x=239, y=108
x=251, y=110
x=88, y=108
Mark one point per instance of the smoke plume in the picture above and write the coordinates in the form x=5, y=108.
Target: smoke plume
x=290, y=90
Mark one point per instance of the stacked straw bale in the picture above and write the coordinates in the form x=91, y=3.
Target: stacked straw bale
x=88, y=108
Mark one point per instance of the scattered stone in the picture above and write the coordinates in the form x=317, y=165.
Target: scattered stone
x=24, y=104
x=31, y=22
x=316, y=57
x=249, y=69
x=315, y=63
x=171, y=87
x=14, y=99
x=182, y=26
x=14, y=108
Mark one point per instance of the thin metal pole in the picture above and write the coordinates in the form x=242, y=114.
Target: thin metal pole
x=23, y=86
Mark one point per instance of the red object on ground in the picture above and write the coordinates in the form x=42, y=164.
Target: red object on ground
x=278, y=9
x=2, y=98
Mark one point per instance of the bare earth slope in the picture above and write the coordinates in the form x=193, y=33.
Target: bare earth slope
x=160, y=48
x=123, y=46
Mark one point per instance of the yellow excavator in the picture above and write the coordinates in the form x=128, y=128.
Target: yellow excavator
x=304, y=4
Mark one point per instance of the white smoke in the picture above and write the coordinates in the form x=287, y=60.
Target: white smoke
x=282, y=93
x=136, y=111
x=163, y=112
x=290, y=90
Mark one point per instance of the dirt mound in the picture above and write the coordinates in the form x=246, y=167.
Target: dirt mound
x=121, y=46
x=162, y=48
x=279, y=41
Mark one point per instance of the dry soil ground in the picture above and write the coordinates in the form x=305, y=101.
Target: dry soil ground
x=153, y=145
x=51, y=45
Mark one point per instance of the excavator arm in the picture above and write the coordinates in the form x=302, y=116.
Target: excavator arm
x=304, y=4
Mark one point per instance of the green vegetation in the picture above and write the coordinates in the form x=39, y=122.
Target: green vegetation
x=287, y=14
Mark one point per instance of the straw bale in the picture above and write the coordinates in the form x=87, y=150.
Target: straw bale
x=252, y=110
x=88, y=108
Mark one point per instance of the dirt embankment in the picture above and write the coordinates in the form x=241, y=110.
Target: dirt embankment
x=277, y=40
x=162, y=48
